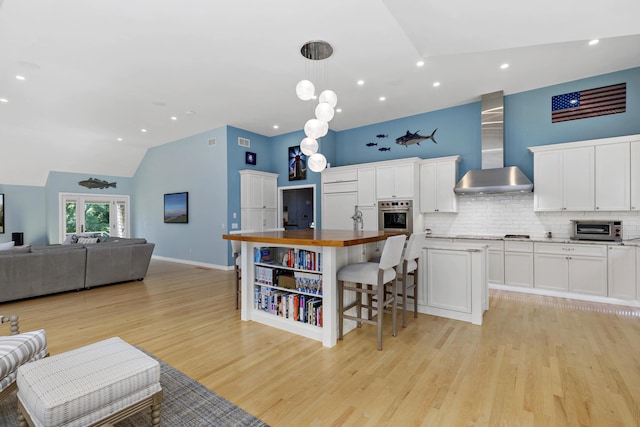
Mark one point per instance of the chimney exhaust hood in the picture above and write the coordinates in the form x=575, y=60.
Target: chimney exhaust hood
x=493, y=177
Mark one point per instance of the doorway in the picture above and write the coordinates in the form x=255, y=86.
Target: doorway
x=297, y=207
x=104, y=215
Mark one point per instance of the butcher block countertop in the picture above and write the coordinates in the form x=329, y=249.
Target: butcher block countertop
x=312, y=237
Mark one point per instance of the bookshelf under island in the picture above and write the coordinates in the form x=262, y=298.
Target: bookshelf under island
x=289, y=277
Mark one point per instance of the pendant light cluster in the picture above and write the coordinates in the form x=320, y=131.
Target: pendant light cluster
x=327, y=100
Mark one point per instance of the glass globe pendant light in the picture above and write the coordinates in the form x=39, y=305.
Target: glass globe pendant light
x=317, y=162
x=308, y=146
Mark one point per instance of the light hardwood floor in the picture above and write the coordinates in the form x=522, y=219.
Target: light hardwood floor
x=536, y=361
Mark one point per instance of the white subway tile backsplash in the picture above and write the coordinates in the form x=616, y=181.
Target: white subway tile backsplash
x=512, y=213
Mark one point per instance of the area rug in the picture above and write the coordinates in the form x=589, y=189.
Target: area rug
x=185, y=403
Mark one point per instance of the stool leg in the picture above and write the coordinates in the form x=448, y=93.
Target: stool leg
x=394, y=306
x=359, y=304
x=237, y=286
x=380, y=313
x=340, y=308
x=404, y=295
x=415, y=293
x=370, y=303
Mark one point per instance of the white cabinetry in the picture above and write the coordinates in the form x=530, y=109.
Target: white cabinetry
x=438, y=178
x=635, y=176
x=495, y=256
x=612, y=177
x=367, y=203
x=579, y=268
x=518, y=264
x=622, y=272
x=258, y=200
x=564, y=180
x=396, y=180
x=339, y=197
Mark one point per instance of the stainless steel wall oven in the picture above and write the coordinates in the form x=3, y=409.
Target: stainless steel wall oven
x=395, y=215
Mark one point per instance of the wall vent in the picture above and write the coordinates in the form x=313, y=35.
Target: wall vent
x=212, y=142
x=244, y=142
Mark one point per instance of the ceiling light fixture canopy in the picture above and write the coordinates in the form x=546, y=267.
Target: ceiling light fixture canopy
x=315, y=51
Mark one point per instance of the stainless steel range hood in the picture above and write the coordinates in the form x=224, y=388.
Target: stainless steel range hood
x=493, y=177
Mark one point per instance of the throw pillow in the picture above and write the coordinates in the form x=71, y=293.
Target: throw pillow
x=84, y=240
x=7, y=246
x=71, y=238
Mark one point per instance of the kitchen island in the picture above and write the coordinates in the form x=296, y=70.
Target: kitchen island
x=289, y=277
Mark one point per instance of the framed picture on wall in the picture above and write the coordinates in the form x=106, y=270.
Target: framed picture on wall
x=1, y=213
x=176, y=208
x=297, y=164
x=250, y=158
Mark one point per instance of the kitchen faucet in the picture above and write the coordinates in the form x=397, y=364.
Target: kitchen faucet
x=357, y=219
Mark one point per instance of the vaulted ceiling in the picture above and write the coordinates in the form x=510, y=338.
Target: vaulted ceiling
x=95, y=72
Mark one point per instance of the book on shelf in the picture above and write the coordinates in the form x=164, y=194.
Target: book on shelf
x=295, y=307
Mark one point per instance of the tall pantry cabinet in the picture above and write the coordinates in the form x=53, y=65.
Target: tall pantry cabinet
x=258, y=200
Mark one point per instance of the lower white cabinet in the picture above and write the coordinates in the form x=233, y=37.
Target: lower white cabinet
x=518, y=264
x=622, y=272
x=571, y=268
x=258, y=219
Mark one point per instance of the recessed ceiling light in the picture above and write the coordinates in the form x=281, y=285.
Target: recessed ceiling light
x=21, y=78
x=276, y=126
x=504, y=66
x=338, y=110
x=143, y=130
x=4, y=100
x=594, y=42
x=420, y=63
x=119, y=139
x=174, y=118
x=382, y=98
x=436, y=84
x=360, y=82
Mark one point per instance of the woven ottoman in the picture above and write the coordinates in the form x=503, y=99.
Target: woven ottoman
x=99, y=384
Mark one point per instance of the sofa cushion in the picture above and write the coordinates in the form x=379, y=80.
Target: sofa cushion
x=7, y=246
x=83, y=240
x=17, y=250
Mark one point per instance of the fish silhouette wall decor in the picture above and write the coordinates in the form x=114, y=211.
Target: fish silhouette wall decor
x=96, y=183
x=415, y=138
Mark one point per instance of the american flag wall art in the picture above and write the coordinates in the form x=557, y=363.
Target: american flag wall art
x=589, y=103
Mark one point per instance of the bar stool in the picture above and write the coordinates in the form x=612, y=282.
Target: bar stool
x=409, y=267
x=236, y=248
x=371, y=274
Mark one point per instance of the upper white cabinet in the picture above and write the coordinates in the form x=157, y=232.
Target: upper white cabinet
x=613, y=177
x=258, y=200
x=339, y=180
x=594, y=175
x=635, y=175
x=367, y=186
x=258, y=189
x=438, y=178
x=564, y=180
x=396, y=181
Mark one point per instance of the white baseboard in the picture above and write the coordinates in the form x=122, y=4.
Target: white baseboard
x=570, y=295
x=197, y=264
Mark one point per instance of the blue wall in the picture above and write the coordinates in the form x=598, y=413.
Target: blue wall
x=528, y=118
x=24, y=211
x=190, y=165
x=458, y=132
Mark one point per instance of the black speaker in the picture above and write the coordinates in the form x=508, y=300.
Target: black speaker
x=18, y=238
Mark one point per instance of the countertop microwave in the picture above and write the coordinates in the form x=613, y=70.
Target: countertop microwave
x=597, y=230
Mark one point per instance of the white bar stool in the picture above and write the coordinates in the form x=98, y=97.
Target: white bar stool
x=371, y=274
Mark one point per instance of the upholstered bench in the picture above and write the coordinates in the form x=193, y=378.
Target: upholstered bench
x=99, y=384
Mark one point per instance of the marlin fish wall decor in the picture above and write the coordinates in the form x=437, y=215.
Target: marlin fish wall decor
x=415, y=138
x=96, y=183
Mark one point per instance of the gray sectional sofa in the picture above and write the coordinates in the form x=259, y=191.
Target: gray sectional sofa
x=41, y=270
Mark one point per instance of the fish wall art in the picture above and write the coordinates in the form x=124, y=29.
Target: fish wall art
x=415, y=138
x=96, y=183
